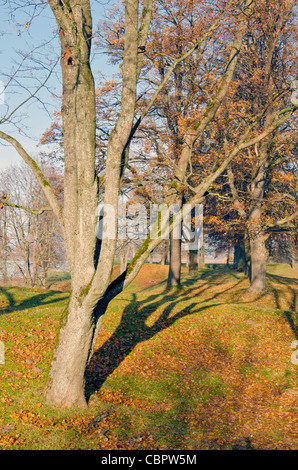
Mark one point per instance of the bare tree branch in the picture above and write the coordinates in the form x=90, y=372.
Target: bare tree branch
x=49, y=193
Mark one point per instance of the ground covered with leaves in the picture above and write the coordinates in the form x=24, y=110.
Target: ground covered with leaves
x=206, y=366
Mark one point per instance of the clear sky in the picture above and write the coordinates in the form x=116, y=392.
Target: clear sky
x=40, y=44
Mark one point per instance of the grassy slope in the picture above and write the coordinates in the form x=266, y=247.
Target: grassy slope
x=202, y=367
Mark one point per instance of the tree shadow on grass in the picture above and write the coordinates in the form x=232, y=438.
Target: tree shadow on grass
x=29, y=303
x=133, y=329
x=284, y=291
x=291, y=286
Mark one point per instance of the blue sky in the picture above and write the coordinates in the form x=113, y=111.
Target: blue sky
x=17, y=40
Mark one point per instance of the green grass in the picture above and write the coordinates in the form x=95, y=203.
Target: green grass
x=204, y=367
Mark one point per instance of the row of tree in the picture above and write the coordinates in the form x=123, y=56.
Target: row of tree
x=191, y=123
x=203, y=111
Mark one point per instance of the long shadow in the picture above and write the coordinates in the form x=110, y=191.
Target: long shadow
x=291, y=315
x=285, y=281
x=9, y=297
x=133, y=330
x=217, y=273
x=29, y=303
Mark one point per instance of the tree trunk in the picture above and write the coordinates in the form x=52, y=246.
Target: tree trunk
x=66, y=381
x=228, y=255
x=66, y=384
x=240, y=261
x=202, y=251
x=29, y=281
x=4, y=247
x=124, y=254
x=174, y=276
x=293, y=253
x=164, y=252
x=90, y=277
x=258, y=257
x=193, y=262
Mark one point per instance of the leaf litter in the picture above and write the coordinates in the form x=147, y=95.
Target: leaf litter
x=214, y=372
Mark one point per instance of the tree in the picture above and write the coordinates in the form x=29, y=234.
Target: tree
x=256, y=194
x=192, y=96
x=31, y=235
x=4, y=245
x=90, y=265
x=263, y=191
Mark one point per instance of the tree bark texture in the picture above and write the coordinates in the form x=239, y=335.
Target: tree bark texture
x=174, y=275
x=258, y=256
x=240, y=261
x=193, y=262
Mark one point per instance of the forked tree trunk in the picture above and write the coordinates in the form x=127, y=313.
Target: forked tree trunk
x=90, y=270
x=66, y=385
x=66, y=381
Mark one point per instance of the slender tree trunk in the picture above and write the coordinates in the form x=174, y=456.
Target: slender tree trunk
x=29, y=280
x=193, y=262
x=124, y=254
x=174, y=276
x=5, y=247
x=292, y=253
x=202, y=251
x=228, y=255
x=240, y=259
x=164, y=252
